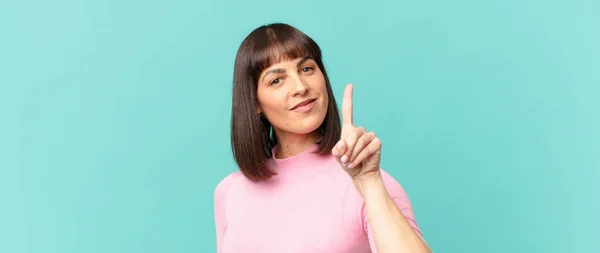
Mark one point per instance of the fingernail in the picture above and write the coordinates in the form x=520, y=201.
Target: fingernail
x=349, y=166
x=344, y=159
x=340, y=144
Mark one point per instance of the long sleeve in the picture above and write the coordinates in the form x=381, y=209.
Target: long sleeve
x=398, y=194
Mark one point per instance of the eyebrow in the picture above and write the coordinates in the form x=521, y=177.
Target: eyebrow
x=280, y=71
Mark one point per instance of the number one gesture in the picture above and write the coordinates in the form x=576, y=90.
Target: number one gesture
x=358, y=151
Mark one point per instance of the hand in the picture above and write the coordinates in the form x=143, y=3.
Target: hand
x=358, y=151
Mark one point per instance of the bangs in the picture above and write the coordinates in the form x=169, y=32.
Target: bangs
x=278, y=46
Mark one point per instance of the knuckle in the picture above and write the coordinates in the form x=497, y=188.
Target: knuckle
x=372, y=150
x=361, y=142
x=377, y=143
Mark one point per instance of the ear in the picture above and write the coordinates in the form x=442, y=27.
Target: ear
x=258, y=111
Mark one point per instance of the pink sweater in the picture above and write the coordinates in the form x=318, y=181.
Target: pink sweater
x=311, y=206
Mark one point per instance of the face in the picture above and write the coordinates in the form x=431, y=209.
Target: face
x=292, y=95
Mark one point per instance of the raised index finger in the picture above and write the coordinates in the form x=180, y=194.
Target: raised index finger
x=347, y=105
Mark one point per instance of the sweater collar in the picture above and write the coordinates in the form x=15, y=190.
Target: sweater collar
x=301, y=166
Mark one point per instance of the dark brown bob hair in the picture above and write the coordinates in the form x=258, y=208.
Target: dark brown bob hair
x=252, y=136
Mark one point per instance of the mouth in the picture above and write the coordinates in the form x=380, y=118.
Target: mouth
x=304, y=103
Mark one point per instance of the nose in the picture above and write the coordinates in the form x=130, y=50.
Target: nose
x=299, y=87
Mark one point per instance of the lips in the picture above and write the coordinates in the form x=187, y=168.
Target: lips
x=303, y=103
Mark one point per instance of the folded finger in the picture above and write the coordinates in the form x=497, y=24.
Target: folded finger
x=373, y=147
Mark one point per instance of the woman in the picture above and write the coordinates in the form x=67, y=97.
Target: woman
x=306, y=183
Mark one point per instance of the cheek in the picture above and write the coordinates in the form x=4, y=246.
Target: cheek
x=322, y=89
x=272, y=102
x=319, y=84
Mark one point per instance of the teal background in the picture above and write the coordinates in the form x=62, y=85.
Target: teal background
x=115, y=117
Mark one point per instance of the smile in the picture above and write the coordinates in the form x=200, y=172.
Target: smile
x=304, y=106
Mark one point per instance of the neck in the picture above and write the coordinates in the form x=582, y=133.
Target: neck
x=292, y=144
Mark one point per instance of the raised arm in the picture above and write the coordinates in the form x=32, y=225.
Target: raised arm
x=359, y=153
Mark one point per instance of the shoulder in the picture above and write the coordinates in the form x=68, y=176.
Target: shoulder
x=220, y=200
x=227, y=182
x=396, y=191
x=392, y=185
x=400, y=197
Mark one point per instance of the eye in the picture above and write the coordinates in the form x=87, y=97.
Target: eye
x=275, y=81
x=307, y=69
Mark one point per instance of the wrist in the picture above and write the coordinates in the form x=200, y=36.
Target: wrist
x=370, y=186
